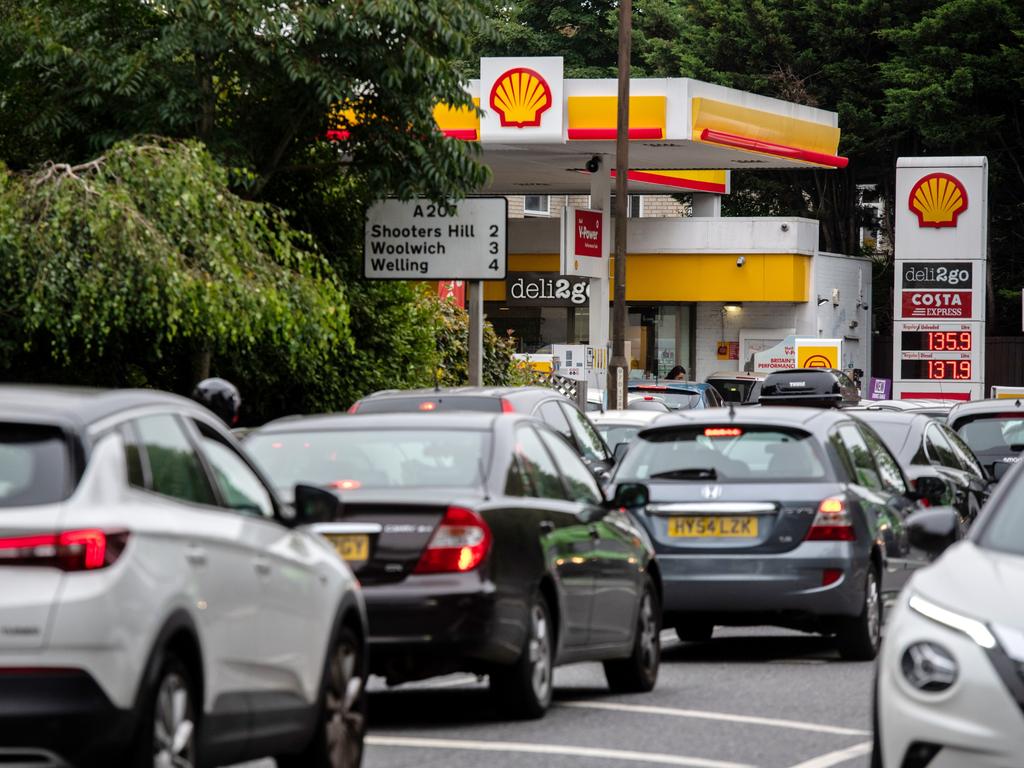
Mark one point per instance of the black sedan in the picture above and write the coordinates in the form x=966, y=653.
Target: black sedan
x=772, y=515
x=923, y=445
x=483, y=544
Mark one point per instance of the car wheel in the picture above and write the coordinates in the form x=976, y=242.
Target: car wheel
x=167, y=731
x=695, y=631
x=341, y=726
x=859, y=637
x=524, y=689
x=639, y=672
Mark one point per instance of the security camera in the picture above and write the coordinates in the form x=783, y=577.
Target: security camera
x=594, y=164
x=784, y=227
x=741, y=261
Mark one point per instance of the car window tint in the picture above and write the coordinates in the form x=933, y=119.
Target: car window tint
x=240, y=488
x=864, y=469
x=516, y=483
x=582, y=485
x=966, y=456
x=586, y=436
x=554, y=417
x=34, y=465
x=540, y=469
x=133, y=456
x=888, y=467
x=939, y=450
x=175, y=469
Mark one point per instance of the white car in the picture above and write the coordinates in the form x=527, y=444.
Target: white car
x=618, y=427
x=158, y=608
x=950, y=689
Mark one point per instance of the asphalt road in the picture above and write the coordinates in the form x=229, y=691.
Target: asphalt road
x=750, y=697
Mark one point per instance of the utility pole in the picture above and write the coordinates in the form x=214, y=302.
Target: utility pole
x=618, y=367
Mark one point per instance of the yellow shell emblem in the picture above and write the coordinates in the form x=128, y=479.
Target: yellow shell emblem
x=937, y=200
x=520, y=97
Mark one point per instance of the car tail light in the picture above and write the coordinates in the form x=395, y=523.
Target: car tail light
x=830, y=576
x=459, y=544
x=832, y=523
x=723, y=432
x=507, y=407
x=428, y=405
x=354, y=407
x=82, y=550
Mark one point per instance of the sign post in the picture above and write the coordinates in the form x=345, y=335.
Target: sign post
x=939, y=296
x=420, y=240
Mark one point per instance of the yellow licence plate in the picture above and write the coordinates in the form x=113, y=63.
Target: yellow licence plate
x=351, y=546
x=741, y=526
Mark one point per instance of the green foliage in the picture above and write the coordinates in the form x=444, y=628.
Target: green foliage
x=499, y=368
x=135, y=267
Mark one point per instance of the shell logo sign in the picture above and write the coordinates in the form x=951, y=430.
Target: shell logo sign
x=937, y=200
x=520, y=96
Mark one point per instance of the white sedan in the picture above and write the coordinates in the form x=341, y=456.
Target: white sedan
x=950, y=688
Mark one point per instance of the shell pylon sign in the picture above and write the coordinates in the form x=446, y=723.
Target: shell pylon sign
x=520, y=96
x=937, y=200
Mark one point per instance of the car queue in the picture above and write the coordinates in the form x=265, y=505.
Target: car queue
x=491, y=531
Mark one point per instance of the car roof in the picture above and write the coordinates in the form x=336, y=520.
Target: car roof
x=464, y=391
x=891, y=417
x=344, y=421
x=806, y=418
x=77, y=407
x=625, y=417
x=738, y=375
x=992, y=405
x=671, y=384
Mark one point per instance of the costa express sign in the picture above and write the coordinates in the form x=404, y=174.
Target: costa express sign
x=945, y=304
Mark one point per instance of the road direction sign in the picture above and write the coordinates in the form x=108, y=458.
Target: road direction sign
x=420, y=240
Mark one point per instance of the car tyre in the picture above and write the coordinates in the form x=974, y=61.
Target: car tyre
x=168, y=730
x=695, y=631
x=859, y=637
x=341, y=724
x=639, y=672
x=523, y=690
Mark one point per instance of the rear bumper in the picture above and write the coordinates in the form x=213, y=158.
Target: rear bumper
x=61, y=713
x=437, y=623
x=764, y=584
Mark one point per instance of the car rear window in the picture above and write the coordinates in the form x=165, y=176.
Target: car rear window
x=676, y=399
x=614, y=434
x=729, y=452
x=993, y=432
x=733, y=390
x=428, y=403
x=34, y=465
x=379, y=458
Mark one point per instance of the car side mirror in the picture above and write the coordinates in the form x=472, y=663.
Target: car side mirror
x=932, y=529
x=932, y=489
x=631, y=495
x=619, y=451
x=314, y=505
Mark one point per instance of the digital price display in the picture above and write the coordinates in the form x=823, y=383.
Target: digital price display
x=937, y=370
x=937, y=341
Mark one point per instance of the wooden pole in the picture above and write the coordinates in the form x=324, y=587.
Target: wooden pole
x=618, y=369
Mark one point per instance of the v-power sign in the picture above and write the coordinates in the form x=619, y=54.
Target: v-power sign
x=420, y=240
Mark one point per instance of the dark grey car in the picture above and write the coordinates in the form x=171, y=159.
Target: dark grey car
x=772, y=515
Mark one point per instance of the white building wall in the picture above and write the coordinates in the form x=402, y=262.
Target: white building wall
x=850, y=319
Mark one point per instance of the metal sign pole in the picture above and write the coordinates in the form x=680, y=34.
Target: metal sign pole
x=476, y=333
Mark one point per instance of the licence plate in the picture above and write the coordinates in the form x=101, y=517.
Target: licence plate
x=718, y=526
x=354, y=547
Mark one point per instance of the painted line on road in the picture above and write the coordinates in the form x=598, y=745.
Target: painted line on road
x=549, y=749
x=697, y=714
x=835, y=758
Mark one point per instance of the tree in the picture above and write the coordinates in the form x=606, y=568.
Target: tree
x=119, y=271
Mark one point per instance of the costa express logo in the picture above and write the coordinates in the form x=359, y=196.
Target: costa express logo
x=937, y=200
x=520, y=96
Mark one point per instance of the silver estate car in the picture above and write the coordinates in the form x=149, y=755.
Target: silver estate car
x=776, y=515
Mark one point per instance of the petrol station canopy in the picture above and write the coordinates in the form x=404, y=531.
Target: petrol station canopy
x=538, y=130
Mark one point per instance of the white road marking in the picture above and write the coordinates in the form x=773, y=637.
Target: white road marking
x=772, y=722
x=835, y=758
x=549, y=749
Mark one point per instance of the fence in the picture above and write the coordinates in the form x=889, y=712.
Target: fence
x=1004, y=360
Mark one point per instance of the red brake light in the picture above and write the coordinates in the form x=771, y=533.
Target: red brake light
x=651, y=388
x=507, y=407
x=82, y=550
x=830, y=576
x=346, y=485
x=723, y=432
x=832, y=523
x=428, y=405
x=459, y=543
x=354, y=407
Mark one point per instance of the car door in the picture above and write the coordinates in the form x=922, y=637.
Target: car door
x=564, y=538
x=220, y=580
x=940, y=454
x=295, y=614
x=615, y=556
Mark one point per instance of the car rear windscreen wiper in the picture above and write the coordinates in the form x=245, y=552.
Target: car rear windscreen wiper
x=689, y=473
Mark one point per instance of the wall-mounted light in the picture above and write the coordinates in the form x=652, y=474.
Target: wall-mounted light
x=733, y=306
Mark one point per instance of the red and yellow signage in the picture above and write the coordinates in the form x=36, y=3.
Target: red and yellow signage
x=937, y=200
x=520, y=97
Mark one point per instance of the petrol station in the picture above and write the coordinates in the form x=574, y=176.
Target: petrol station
x=706, y=291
